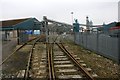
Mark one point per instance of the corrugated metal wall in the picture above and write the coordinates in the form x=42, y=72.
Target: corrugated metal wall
x=23, y=37
x=101, y=44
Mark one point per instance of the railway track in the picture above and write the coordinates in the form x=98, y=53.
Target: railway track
x=76, y=68
x=64, y=65
x=20, y=73
x=53, y=61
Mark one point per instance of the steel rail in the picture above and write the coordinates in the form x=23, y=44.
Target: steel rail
x=26, y=76
x=50, y=61
x=54, y=39
x=75, y=61
x=16, y=51
x=52, y=65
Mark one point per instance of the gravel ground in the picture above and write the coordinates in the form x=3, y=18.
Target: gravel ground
x=8, y=47
x=17, y=61
x=103, y=67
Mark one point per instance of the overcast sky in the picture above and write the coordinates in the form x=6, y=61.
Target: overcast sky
x=98, y=11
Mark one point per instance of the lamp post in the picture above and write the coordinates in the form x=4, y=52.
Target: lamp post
x=72, y=26
x=72, y=17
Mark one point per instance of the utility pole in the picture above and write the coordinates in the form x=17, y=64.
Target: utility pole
x=46, y=27
x=87, y=23
x=72, y=17
x=73, y=27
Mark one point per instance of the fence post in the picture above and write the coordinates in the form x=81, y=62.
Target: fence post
x=79, y=37
x=119, y=55
x=119, y=49
x=18, y=35
x=74, y=37
x=86, y=39
x=87, y=34
x=97, y=49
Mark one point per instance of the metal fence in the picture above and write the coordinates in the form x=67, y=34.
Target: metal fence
x=102, y=44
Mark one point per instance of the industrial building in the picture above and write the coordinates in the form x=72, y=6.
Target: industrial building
x=18, y=29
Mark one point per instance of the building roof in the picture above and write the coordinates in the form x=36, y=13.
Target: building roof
x=21, y=24
x=9, y=23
